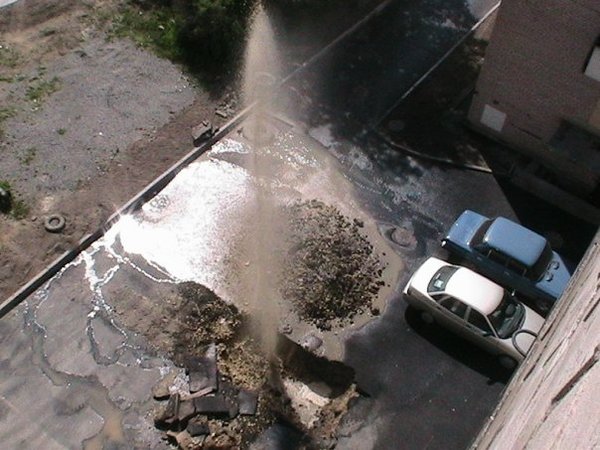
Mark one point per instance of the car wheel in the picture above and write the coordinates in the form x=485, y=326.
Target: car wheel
x=426, y=317
x=507, y=362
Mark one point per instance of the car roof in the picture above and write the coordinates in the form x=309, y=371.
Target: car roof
x=515, y=241
x=474, y=290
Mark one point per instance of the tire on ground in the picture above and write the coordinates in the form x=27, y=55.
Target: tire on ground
x=54, y=223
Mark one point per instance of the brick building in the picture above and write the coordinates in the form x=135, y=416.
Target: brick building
x=539, y=90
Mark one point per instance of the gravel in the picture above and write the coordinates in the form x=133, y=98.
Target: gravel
x=107, y=96
x=331, y=272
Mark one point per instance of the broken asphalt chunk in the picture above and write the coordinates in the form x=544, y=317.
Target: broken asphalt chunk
x=202, y=370
x=202, y=132
x=198, y=426
x=248, y=401
x=215, y=405
x=186, y=410
x=170, y=413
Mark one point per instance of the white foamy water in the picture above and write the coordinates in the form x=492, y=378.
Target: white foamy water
x=7, y=2
x=188, y=228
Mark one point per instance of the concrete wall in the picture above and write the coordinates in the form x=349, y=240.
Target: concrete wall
x=534, y=73
x=553, y=400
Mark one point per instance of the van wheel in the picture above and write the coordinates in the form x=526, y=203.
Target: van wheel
x=507, y=362
x=426, y=317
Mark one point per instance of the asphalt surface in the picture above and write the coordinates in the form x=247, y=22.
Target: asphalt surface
x=368, y=73
x=426, y=388
x=423, y=388
x=68, y=359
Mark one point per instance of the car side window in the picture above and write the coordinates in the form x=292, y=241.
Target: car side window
x=516, y=267
x=455, y=306
x=497, y=257
x=476, y=319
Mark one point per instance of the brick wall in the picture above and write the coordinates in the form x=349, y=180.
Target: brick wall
x=534, y=73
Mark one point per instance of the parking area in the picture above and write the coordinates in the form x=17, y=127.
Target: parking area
x=418, y=384
x=86, y=351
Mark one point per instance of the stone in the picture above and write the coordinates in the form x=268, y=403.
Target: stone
x=202, y=370
x=186, y=410
x=182, y=438
x=213, y=405
x=161, y=390
x=248, y=402
x=198, y=426
x=170, y=414
x=311, y=342
x=202, y=132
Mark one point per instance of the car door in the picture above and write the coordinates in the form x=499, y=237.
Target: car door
x=482, y=332
x=453, y=313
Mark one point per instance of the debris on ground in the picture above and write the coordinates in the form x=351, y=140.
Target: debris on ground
x=331, y=272
x=202, y=133
x=226, y=392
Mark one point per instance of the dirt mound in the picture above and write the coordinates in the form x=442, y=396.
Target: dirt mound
x=331, y=271
x=204, y=318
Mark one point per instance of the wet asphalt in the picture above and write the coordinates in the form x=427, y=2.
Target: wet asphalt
x=422, y=386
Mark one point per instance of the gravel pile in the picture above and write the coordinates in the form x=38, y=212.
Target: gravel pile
x=331, y=272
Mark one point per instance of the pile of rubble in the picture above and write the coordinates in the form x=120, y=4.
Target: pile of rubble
x=193, y=418
x=331, y=272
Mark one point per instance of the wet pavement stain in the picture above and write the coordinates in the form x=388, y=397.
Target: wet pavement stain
x=80, y=392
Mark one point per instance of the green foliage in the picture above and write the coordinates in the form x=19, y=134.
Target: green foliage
x=29, y=156
x=42, y=89
x=5, y=113
x=214, y=31
x=206, y=35
x=62, y=131
x=19, y=209
x=156, y=28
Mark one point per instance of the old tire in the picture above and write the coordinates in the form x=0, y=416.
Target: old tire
x=54, y=223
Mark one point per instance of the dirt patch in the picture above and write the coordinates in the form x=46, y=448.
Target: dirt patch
x=331, y=272
x=88, y=142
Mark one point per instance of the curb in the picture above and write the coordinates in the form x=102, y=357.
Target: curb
x=132, y=205
x=165, y=178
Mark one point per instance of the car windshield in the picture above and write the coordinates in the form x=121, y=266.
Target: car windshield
x=539, y=268
x=440, y=279
x=506, y=319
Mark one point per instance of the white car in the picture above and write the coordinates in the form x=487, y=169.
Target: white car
x=475, y=308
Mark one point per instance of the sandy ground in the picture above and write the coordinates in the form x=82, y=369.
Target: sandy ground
x=111, y=117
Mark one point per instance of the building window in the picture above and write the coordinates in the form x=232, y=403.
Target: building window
x=592, y=69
